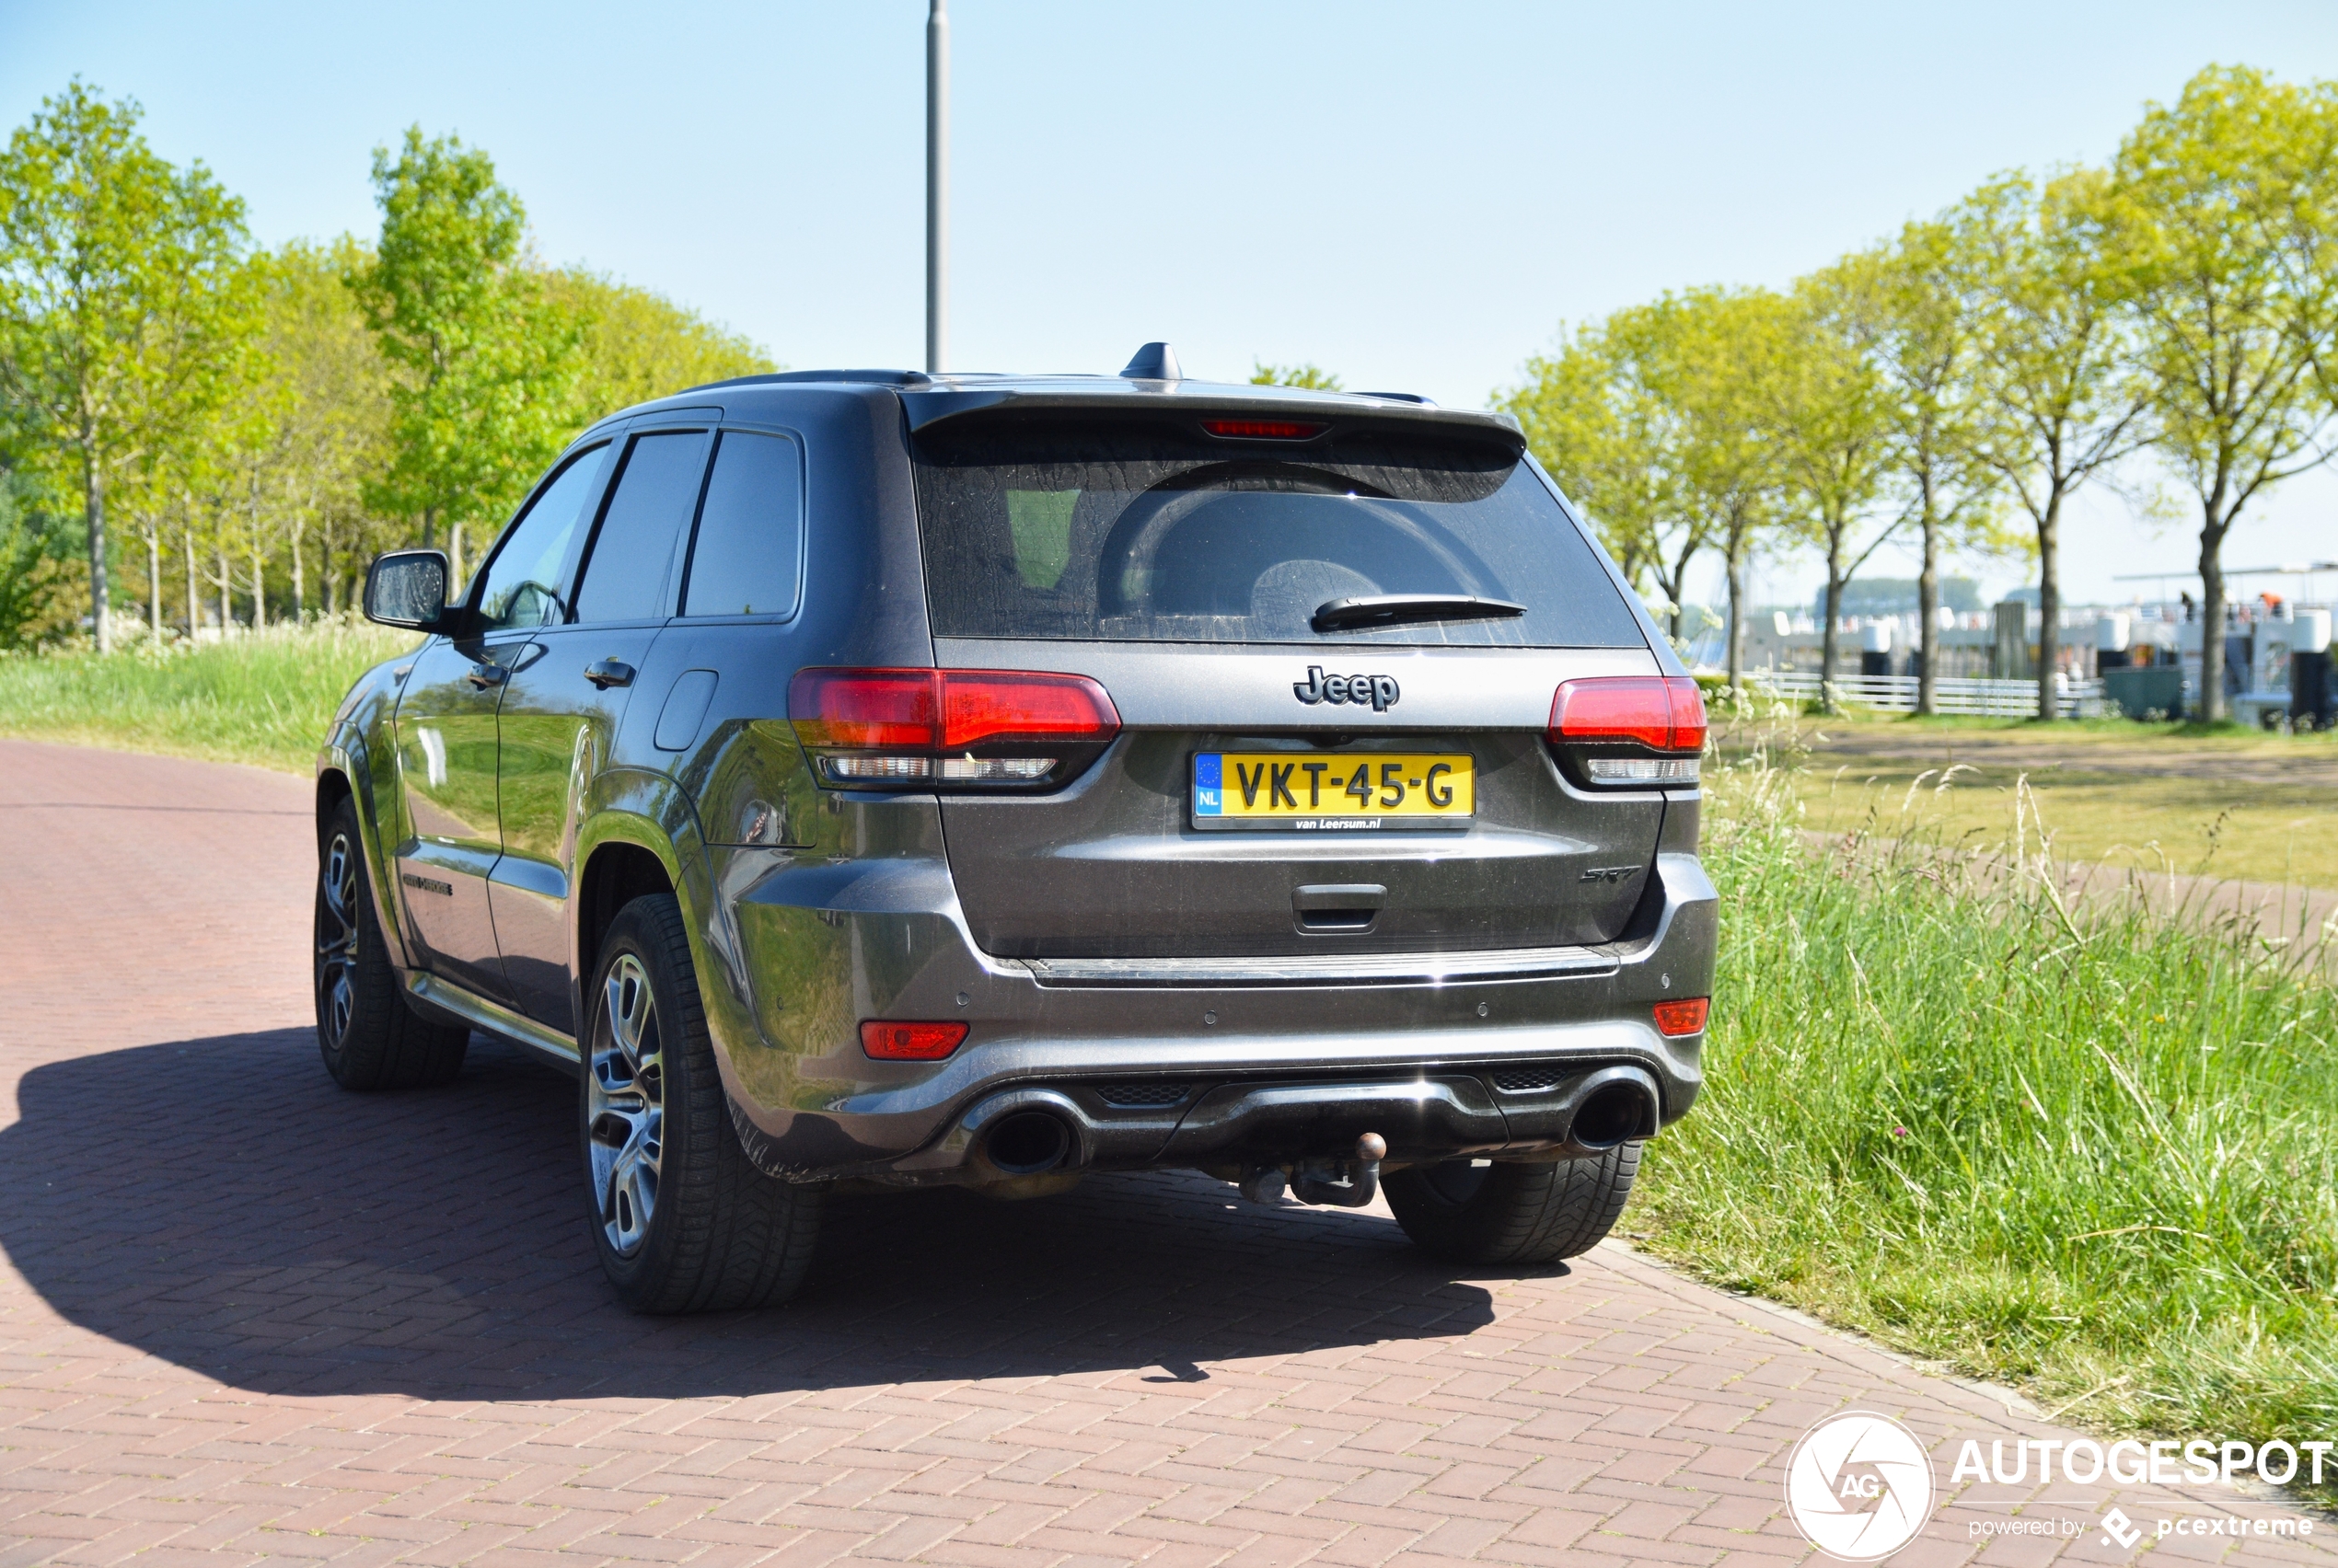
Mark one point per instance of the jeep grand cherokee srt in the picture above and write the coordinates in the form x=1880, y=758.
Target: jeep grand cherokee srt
x=863, y=780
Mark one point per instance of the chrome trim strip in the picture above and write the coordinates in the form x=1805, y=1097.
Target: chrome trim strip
x=494, y=1018
x=1322, y=969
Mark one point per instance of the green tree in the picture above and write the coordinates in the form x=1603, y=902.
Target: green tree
x=1724, y=347
x=2227, y=203
x=337, y=415
x=1831, y=415
x=487, y=366
x=1601, y=435
x=33, y=553
x=638, y=345
x=1309, y=376
x=2057, y=367
x=119, y=289
x=1930, y=353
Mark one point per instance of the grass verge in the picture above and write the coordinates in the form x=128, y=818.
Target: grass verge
x=262, y=698
x=2090, y=1153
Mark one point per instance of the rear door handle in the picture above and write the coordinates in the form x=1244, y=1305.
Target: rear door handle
x=606, y=673
x=485, y=675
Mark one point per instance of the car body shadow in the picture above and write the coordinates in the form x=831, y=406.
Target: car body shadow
x=219, y=1204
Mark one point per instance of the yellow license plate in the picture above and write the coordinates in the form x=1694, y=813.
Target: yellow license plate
x=1333, y=792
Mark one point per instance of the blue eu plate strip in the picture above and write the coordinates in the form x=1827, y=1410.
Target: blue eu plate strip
x=1207, y=771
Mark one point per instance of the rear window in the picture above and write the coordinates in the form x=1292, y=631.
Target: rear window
x=1134, y=534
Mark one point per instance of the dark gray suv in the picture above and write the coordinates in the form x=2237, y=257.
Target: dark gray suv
x=863, y=780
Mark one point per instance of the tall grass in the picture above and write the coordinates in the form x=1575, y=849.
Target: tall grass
x=261, y=696
x=2088, y=1150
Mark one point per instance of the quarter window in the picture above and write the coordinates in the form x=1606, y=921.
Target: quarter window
x=750, y=531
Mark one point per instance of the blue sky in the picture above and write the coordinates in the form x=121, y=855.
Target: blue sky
x=1416, y=196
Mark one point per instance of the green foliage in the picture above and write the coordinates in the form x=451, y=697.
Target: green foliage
x=35, y=552
x=490, y=369
x=2223, y=225
x=638, y=345
x=262, y=697
x=2088, y=1151
x=123, y=288
x=1309, y=376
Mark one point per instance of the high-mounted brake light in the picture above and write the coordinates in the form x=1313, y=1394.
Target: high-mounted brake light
x=890, y=1041
x=1674, y=1019
x=907, y=728
x=1263, y=430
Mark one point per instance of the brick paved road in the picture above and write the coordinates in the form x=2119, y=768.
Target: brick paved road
x=246, y=1316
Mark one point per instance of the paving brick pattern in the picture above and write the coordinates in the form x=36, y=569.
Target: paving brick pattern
x=245, y=1316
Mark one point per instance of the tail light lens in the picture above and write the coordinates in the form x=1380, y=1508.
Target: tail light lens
x=955, y=729
x=1674, y=1019
x=1619, y=720
x=889, y=1041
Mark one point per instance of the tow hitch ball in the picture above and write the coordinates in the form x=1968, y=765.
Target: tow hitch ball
x=1349, y=1184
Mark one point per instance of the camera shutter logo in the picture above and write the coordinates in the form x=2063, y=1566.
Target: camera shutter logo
x=1860, y=1486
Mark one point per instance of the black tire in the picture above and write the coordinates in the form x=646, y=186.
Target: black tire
x=370, y=1038
x=1514, y=1212
x=681, y=1218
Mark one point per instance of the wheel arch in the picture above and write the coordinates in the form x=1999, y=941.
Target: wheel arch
x=618, y=871
x=343, y=774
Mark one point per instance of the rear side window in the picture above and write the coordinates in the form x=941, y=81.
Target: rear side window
x=750, y=530
x=1146, y=533
x=625, y=578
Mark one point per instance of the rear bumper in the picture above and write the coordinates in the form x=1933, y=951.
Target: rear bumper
x=1162, y=1065
x=1246, y=1123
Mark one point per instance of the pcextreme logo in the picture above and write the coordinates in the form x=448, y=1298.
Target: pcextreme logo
x=1860, y=1486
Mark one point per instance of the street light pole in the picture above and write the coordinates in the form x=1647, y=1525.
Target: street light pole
x=937, y=188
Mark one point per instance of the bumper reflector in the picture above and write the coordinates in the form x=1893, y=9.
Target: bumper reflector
x=1685, y=1016
x=889, y=1041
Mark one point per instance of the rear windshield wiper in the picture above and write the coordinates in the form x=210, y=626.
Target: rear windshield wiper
x=1398, y=609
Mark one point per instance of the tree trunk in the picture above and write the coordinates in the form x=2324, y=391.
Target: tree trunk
x=93, y=503
x=259, y=585
x=227, y=581
x=1737, y=617
x=430, y=522
x=454, y=566
x=194, y=616
x=299, y=578
x=2049, y=605
x=154, y=582
x=2212, y=618
x=1828, y=638
x=1928, y=611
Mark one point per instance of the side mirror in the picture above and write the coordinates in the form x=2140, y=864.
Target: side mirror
x=406, y=588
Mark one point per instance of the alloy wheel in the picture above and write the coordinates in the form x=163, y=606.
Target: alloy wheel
x=337, y=937
x=625, y=1093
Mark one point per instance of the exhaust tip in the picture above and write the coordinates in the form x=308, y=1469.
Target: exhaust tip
x=1614, y=1113
x=1028, y=1143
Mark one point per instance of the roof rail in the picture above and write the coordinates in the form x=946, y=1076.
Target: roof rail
x=864, y=377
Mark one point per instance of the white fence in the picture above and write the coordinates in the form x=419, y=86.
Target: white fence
x=1896, y=694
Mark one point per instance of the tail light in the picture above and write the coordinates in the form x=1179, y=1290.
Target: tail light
x=1673, y=1019
x=949, y=729
x=1632, y=728
x=890, y=1041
